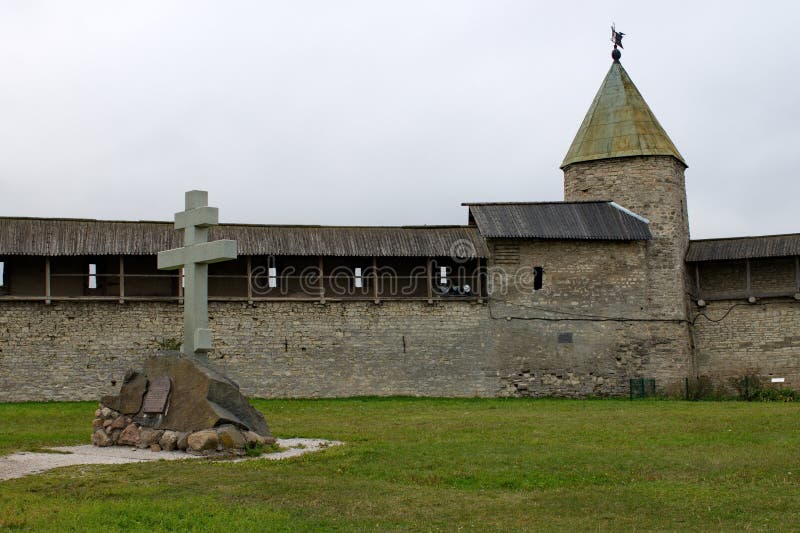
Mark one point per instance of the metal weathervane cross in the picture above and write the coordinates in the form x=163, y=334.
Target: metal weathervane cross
x=195, y=256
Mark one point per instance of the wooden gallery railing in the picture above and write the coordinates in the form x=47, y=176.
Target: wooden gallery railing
x=746, y=292
x=314, y=284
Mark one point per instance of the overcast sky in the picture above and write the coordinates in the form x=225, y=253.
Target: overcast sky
x=382, y=112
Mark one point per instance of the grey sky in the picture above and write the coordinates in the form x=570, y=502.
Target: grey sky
x=382, y=113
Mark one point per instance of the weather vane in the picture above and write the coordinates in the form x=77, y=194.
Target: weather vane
x=616, y=38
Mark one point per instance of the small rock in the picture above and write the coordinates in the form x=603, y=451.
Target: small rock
x=206, y=439
x=183, y=438
x=270, y=440
x=97, y=423
x=148, y=436
x=99, y=438
x=120, y=422
x=129, y=436
x=230, y=437
x=168, y=441
x=253, y=438
x=107, y=423
x=97, y=413
x=155, y=448
x=105, y=412
x=115, y=435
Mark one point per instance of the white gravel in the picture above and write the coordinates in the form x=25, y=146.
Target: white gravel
x=26, y=463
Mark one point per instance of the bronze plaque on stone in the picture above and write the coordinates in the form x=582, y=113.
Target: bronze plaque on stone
x=155, y=401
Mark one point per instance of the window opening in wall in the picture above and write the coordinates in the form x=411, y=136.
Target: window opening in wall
x=443, y=275
x=2, y=274
x=92, y=275
x=538, y=272
x=273, y=277
x=359, y=278
x=183, y=278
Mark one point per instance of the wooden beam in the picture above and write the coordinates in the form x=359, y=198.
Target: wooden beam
x=797, y=273
x=47, y=280
x=747, y=288
x=321, y=280
x=479, y=283
x=429, y=279
x=279, y=299
x=121, y=280
x=697, y=280
x=375, y=280
x=250, y=279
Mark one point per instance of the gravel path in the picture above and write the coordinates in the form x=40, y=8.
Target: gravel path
x=26, y=463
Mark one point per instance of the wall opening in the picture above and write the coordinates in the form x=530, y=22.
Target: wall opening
x=538, y=273
x=359, y=278
x=92, y=281
x=2, y=274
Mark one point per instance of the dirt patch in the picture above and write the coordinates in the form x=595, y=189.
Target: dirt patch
x=27, y=463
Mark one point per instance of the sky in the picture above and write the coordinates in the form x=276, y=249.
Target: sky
x=382, y=112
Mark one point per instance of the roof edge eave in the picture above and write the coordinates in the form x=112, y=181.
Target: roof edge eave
x=629, y=153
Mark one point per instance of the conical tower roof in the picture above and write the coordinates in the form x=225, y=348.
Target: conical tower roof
x=619, y=123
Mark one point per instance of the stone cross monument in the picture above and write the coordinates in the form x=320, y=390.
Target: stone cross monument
x=195, y=256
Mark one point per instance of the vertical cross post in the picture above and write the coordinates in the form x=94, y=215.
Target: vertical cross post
x=195, y=256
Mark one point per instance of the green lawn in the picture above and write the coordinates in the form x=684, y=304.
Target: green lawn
x=436, y=464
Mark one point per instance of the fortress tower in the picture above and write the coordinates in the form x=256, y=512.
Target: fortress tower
x=621, y=153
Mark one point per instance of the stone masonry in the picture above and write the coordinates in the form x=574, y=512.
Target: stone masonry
x=581, y=334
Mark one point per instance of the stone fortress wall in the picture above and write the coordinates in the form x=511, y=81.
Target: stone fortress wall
x=735, y=338
x=570, y=338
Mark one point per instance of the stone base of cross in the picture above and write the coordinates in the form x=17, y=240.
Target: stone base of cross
x=195, y=256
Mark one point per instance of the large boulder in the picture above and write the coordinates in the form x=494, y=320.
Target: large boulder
x=199, y=397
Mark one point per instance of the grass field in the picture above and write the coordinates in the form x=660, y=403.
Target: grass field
x=439, y=464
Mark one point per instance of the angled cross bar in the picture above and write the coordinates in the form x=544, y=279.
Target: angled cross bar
x=202, y=217
x=194, y=258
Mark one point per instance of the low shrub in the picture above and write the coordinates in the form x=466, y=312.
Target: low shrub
x=774, y=395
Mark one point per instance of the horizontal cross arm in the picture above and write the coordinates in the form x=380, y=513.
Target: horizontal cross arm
x=207, y=252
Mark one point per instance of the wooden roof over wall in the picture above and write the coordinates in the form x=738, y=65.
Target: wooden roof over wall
x=743, y=248
x=54, y=237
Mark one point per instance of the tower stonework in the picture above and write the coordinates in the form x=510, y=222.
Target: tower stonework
x=653, y=187
x=621, y=153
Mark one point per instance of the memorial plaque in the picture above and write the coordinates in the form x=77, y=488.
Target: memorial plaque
x=155, y=401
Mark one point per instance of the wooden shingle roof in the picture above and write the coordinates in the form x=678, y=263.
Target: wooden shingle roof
x=53, y=237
